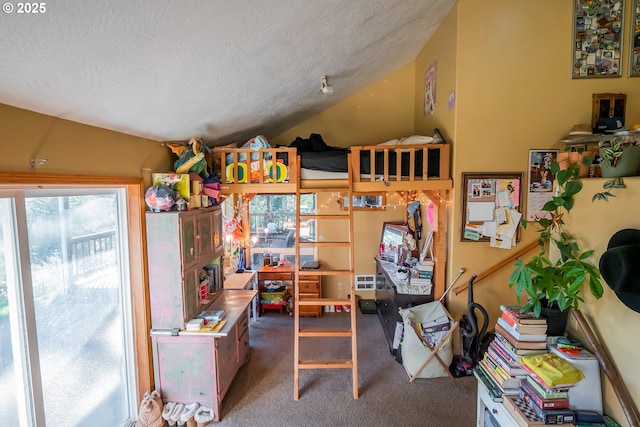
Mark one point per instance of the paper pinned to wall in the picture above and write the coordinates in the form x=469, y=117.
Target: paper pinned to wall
x=480, y=211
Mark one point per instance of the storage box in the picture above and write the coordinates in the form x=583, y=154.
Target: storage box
x=273, y=296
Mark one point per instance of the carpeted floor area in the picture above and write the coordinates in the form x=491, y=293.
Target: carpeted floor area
x=262, y=392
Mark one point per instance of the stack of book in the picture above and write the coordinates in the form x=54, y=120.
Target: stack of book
x=546, y=387
x=517, y=334
x=434, y=330
x=422, y=273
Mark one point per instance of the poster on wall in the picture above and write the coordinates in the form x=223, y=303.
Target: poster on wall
x=597, y=38
x=634, y=51
x=540, y=182
x=430, y=90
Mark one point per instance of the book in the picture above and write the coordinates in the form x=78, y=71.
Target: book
x=515, y=369
x=517, y=352
x=545, y=392
x=510, y=386
x=494, y=390
x=521, y=336
x=211, y=315
x=194, y=324
x=526, y=318
x=521, y=412
x=553, y=416
x=520, y=345
x=528, y=393
x=523, y=328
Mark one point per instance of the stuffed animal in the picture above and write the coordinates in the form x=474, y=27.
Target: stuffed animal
x=151, y=411
x=190, y=157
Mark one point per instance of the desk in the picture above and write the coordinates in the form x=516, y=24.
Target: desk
x=244, y=281
x=389, y=301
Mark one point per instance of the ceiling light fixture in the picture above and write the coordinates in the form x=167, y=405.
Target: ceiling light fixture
x=324, y=86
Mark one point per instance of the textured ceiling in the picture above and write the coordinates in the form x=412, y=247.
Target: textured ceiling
x=220, y=69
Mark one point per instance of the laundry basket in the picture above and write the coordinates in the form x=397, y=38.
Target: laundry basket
x=420, y=358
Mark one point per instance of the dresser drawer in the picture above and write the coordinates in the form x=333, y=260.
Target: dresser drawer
x=276, y=276
x=309, y=286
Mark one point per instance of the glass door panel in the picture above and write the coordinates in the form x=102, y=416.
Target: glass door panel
x=77, y=291
x=9, y=376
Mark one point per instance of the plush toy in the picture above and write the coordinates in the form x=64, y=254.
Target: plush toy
x=190, y=157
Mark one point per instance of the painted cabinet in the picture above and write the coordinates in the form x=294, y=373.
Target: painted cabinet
x=200, y=367
x=179, y=246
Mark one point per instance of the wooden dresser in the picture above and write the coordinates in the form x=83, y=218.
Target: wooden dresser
x=310, y=286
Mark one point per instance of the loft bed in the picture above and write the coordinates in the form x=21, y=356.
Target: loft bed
x=423, y=167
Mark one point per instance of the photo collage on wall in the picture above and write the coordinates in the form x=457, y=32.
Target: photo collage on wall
x=634, y=67
x=598, y=35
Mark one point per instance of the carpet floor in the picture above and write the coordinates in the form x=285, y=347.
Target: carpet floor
x=262, y=392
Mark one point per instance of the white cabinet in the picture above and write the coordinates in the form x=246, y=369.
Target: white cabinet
x=490, y=413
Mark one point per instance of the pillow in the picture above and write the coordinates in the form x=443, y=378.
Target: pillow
x=415, y=139
x=390, y=142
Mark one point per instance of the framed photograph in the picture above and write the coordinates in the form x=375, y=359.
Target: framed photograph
x=491, y=208
x=540, y=189
x=597, y=38
x=365, y=202
x=634, y=49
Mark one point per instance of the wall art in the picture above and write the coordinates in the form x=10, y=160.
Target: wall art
x=634, y=49
x=597, y=38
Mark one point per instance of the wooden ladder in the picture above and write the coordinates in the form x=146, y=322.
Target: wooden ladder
x=310, y=333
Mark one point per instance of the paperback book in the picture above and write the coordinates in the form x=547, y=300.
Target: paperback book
x=525, y=318
x=518, y=344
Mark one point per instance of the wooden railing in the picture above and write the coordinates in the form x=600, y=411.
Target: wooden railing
x=91, y=252
x=498, y=266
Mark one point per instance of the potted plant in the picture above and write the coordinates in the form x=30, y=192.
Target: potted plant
x=548, y=284
x=619, y=157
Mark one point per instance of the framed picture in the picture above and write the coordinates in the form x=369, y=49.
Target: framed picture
x=597, y=38
x=540, y=189
x=491, y=208
x=634, y=49
x=365, y=202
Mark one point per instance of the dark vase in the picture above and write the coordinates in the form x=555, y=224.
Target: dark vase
x=556, y=319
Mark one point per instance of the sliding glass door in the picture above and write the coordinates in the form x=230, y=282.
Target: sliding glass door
x=66, y=341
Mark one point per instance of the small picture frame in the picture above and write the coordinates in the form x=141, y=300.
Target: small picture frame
x=634, y=41
x=598, y=33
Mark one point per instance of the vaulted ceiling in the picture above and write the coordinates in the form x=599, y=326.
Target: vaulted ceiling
x=222, y=70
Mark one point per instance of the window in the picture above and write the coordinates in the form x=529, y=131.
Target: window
x=273, y=227
x=66, y=318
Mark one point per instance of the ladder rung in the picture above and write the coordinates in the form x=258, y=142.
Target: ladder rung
x=324, y=301
x=334, y=216
x=323, y=272
x=325, y=244
x=326, y=364
x=324, y=333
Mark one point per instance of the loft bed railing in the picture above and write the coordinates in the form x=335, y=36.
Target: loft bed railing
x=244, y=170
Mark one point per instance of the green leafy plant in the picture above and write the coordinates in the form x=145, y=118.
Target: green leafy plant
x=559, y=282
x=610, y=153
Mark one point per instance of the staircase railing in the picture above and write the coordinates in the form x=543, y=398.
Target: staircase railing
x=498, y=266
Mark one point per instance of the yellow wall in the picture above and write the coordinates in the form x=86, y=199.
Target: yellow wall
x=381, y=111
x=613, y=323
x=514, y=92
x=441, y=50
x=74, y=148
